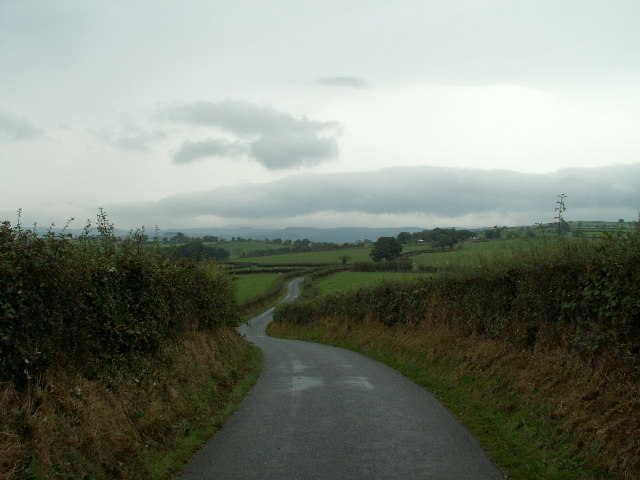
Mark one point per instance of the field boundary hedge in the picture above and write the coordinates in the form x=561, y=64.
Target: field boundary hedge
x=96, y=302
x=584, y=296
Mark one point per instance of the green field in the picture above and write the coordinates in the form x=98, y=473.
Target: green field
x=357, y=254
x=343, y=281
x=473, y=252
x=322, y=257
x=470, y=252
x=251, y=285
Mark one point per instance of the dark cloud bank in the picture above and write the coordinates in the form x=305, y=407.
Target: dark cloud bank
x=606, y=193
x=276, y=140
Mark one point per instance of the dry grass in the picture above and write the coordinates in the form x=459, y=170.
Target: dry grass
x=84, y=428
x=590, y=409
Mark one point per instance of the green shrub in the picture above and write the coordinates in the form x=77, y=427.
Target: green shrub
x=584, y=295
x=94, y=302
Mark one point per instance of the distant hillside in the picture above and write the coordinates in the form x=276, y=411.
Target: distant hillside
x=336, y=235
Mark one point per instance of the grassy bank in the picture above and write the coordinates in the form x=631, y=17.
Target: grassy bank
x=538, y=415
x=145, y=423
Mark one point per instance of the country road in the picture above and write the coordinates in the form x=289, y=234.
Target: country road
x=320, y=412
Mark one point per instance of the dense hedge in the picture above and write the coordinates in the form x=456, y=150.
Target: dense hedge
x=583, y=295
x=95, y=301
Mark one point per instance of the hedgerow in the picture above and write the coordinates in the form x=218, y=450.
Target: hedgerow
x=95, y=302
x=583, y=295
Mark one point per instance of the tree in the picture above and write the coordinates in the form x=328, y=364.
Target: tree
x=444, y=241
x=179, y=238
x=404, y=237
x=490, y=234
x=344, y=258
x=196, y=251
x=386, y=248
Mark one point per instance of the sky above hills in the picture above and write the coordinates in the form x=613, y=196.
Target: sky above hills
x=319, y=113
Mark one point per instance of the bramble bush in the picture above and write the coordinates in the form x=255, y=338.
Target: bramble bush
x=583, y=295
x=95, y=302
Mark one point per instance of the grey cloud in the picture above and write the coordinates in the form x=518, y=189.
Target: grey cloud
x=192, y=151
x=275, y=139
x=16, y=129
x=286, y=150
x=131, y=138
x=593, y=194
x=346, y=82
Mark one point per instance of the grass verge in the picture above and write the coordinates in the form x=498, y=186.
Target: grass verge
x=144, y=423
x=513, y=401
x=165, y=465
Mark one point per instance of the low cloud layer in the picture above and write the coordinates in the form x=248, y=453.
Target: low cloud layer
x=345, y=82
x=13, y=129
x=276, y=140
x=465, y=197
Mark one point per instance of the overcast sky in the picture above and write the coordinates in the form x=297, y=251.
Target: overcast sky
x=319, y=112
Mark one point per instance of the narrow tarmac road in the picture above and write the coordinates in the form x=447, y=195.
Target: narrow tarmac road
x=320, y=412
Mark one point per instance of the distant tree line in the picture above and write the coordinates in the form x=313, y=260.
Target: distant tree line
x=196, y=251
x=295, y=246
x=439, y=237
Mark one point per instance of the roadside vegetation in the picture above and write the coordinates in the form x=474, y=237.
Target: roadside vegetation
x=349, y=280
x=119, y=357
x=116, y=361
x=537, y=351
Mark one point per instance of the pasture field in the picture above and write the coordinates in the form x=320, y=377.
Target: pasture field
x=252, y=285
x=344, y=281
x=473, y=253
x=245, y=247
x=357, y=254
x=470, y=252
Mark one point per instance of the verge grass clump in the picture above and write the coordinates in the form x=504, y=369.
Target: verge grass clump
x=145, y=424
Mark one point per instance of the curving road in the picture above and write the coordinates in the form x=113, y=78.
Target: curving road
x=320, y=412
